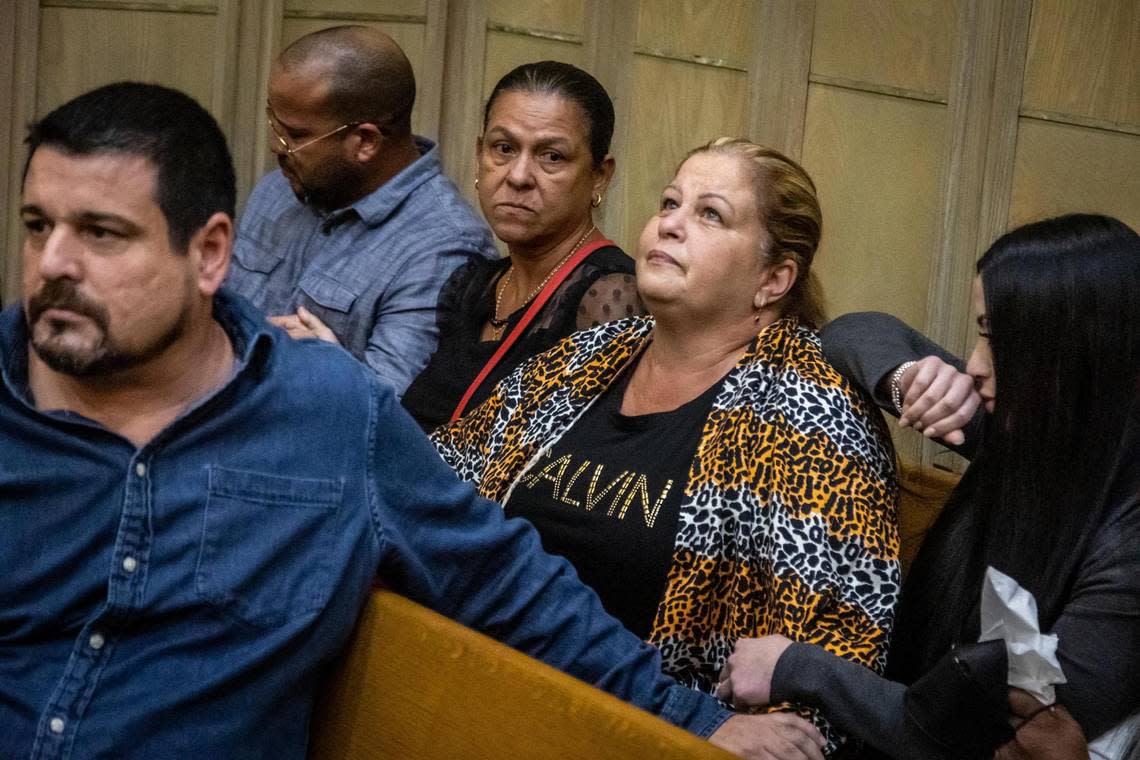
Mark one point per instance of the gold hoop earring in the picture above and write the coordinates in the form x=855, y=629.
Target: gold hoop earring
x=476, y=183
x=596, y=200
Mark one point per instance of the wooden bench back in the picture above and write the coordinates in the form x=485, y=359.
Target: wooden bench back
x=417, y=686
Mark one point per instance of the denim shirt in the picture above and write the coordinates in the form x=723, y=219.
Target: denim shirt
x=372, y=271
x=183, y=598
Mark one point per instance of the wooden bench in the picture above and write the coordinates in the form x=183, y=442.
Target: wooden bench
x=417, y=686
x=923, y=494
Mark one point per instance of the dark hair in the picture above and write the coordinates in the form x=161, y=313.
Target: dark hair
x=369, y=77
x=195, y=173
x=1059, y=450
x=791, y=215
x=571, y=83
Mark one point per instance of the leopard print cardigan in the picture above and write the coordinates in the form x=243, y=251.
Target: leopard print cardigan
x=789, y=518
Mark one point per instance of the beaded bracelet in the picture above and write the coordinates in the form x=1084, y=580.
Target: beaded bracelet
x=896, y=391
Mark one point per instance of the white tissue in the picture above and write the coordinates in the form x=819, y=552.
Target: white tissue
x=1009, y=612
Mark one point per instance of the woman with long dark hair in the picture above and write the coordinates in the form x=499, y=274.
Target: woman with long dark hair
x=1051, y=498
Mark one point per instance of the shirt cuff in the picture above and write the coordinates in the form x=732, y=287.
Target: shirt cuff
x=694, y=711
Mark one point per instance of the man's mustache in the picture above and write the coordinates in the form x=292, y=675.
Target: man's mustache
x=64, y=294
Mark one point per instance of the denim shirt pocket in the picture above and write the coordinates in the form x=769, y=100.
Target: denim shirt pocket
x=327, y=292
x=266, y=543
x=332, y=303
x=255, y=256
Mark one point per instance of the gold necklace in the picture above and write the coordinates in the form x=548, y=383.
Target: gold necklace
x=498, y=324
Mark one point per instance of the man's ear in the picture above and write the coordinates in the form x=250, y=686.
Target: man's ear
x=369, y=142
x=210, y=249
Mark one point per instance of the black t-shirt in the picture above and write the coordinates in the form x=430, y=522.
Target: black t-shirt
x=601, y=288
x=607, y=497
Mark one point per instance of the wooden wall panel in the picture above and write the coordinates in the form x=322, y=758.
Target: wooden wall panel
x=892, y=43
x=19, y=35
x=714, y=30
x=505, y=51
x=1063, y=168
x=1084, y=60
x=11, y=132
x=561, y=16
x=355, y=11
x=698, y=103
x=609, y=48
x=408, y=35
x=83, y=48
x=877, y=162
x=779, y=72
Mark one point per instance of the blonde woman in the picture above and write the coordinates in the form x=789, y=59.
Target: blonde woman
x=705, y=469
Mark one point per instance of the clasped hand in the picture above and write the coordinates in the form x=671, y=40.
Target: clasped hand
x=305, y=324
x=938, y=400
x=745, y=682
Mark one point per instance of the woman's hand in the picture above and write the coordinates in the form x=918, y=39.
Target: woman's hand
x=938, y=400
x=776, y=736
x=1042, y=733
x=746, y=679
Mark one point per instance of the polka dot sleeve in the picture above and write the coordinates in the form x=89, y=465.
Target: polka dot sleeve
x=610, y=297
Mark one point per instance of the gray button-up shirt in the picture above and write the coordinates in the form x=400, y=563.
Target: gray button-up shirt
x=372, y=271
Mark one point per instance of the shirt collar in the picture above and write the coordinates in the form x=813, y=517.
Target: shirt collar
x=247, y=329
x=375, y=207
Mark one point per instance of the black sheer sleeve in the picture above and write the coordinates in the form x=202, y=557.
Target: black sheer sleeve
x=602, y=288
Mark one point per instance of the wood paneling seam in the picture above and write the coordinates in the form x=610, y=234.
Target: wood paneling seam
x=700, y=60
x=1081, y=121
x=542, y=34
x=379, y=18
x=204, y=9
x=878, y=89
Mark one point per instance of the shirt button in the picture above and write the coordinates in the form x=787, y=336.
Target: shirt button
x=130, y=564
x=56, y=725
x=140, y=470
x=96, y=641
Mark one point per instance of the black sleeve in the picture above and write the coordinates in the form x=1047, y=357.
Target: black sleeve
x=957, y=710
x=868, y=346
x=854, y=698
x=1099, y=629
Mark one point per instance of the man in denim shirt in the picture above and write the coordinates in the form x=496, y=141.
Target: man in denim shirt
x=193, y=506
x=355, y=235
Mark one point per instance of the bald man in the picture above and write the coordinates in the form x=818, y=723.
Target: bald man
x=352, y=237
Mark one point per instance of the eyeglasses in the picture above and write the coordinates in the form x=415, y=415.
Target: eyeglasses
x=284, y=143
